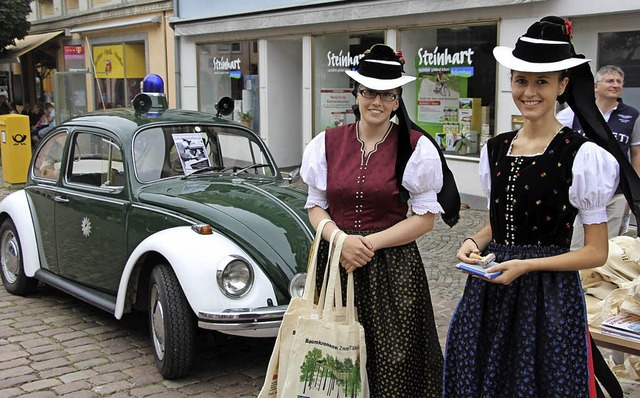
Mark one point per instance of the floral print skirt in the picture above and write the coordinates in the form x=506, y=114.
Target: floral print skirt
x=404, y=357
x=525, y=339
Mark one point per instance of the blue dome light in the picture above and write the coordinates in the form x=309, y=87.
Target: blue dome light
x=153, y=83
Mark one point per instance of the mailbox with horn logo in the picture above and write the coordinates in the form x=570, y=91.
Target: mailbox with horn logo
x=15, y=144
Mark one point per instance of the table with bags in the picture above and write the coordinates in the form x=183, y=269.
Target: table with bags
x=614, y=289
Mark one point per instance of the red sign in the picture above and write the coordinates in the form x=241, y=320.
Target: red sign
x=73, y=52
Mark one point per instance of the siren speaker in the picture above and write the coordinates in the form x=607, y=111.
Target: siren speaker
x=224, y=106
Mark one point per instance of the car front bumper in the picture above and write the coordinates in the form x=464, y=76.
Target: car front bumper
x=242, y=319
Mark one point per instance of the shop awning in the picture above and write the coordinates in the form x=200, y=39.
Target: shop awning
x=13, y=53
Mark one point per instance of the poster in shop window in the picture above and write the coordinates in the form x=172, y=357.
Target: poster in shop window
x=335, y=107
x=442, y=80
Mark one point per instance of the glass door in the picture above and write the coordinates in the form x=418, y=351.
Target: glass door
x=70, y=94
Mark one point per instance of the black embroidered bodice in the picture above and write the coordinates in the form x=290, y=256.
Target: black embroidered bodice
x=530, y=194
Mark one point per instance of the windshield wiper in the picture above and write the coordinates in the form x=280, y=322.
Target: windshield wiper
x=253, y=166
x=204, y=170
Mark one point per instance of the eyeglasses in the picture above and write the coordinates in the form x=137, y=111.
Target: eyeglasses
x=384, y=95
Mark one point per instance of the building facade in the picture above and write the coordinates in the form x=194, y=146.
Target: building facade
x=283, y=63
x=90, y=54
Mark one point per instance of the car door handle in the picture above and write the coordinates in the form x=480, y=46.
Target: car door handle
x=60, y=199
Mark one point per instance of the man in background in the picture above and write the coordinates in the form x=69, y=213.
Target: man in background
x=625, y=125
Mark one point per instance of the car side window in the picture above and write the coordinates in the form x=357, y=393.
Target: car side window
x=48, y=160
x=149, y=154
x=97, y=161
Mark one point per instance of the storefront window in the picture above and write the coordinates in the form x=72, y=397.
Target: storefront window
x=230, y=70
x=455, y=89
x=119, y=69
x=332, y=96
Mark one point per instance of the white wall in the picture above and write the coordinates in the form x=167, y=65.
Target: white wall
x=188, y=90
x=280, y=74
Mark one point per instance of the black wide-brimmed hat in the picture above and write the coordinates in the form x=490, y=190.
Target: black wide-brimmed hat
x=381, y=68
x=546, y=47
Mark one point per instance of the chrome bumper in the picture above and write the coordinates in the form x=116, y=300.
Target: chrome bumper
x=238, y=319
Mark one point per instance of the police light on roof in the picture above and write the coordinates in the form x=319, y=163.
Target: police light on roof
x=153, y=83
x=151, y=101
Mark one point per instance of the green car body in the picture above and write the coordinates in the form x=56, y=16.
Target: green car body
x=179, y=213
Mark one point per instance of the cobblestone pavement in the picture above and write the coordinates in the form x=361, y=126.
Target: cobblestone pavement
x=53, y=345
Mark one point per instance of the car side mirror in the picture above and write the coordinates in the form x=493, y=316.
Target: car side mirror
x=292, y=176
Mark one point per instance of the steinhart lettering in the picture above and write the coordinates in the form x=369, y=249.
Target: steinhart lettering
x=224, y=64
x=339, y=60
x=435, y=58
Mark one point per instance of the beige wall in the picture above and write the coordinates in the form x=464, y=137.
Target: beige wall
x=159, y=46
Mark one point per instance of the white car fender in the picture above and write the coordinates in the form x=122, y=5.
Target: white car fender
x=16, y=206
x=195, y=259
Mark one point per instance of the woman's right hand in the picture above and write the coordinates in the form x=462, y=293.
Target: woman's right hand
x=468, y=252
x=357, y=251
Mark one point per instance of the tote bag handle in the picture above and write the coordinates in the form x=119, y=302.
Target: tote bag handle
x=310, y=285
x=333, y=301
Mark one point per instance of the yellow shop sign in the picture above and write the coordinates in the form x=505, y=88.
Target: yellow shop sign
x=119, y=61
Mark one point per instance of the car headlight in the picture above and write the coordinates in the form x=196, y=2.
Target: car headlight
x=235, y=277
x=296, y=286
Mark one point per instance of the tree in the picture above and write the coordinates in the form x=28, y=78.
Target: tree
x=13, y=20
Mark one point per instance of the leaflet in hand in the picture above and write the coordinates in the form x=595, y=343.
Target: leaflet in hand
x=477, y=269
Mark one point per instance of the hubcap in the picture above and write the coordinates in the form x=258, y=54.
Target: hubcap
x=10, y=257
x=157, y=322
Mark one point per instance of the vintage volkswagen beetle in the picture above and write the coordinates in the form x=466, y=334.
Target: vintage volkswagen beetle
x=182, y=214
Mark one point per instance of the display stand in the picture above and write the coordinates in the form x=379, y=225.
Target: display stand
x=614, y=342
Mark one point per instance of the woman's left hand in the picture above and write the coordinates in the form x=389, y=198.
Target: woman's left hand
x=511, y=270
x=356, y=252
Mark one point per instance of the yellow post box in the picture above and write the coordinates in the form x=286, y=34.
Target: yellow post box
x=15, y=144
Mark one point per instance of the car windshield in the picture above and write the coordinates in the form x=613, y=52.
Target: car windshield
x=181, y=150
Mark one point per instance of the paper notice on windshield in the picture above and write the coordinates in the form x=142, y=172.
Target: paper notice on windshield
x=191, y=151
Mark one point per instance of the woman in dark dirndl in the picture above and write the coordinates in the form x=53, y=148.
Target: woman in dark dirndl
x=524, y=333
x=360, y=176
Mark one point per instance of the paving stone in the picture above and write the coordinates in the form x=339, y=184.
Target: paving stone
x=17, y=380
x=10, y=392
x=40, y=385
x=81, y=375
x=146, y=391
x=56, y=372
x=110, y=388
x=67, y=388
x=90, y=363
x=50, y=364
x=39, y=394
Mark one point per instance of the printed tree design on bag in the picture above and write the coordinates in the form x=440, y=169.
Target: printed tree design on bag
x=328, y=373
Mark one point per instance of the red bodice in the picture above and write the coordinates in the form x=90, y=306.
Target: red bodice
x=362, y=191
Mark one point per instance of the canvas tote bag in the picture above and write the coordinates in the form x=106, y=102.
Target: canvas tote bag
x=328, y=353
x=298, y=306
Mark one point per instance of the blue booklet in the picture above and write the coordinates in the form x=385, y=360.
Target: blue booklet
x=477, y=269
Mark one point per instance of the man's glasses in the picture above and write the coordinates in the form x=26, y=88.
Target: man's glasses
x=384, y=95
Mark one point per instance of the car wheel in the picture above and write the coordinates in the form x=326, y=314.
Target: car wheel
x=13, y=277
x=171, y=324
